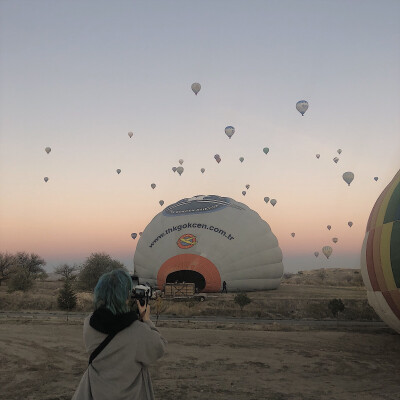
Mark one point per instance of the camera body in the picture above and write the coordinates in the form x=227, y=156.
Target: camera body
x=142, y=293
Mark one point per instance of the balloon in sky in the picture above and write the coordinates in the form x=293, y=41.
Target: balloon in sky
x=302, y=106
x=339, y=151
x=134, y=235
x=130, y=134
x=376, y=178
x=140, y=233
x=350, y=224
x=266, y=150
x=47, y=150
x=181, y=161
x=174, y=169
x=335, y=240
x=180, y=170
x=329, y=227
x=241, y=159
x=229, y=131
x=118, y=171
x=202, y=170
x=293, y=234
x=205, y=240
x=196, y=88
x=266, y=199
x=247, y=186
x=217, y=158
x=316, y=253
x=380, y=255
x=327, y=250
x=161, y=202
x=335, y=160
x=348, y=177
x=317, y=155
x=153, y=185
x=46, y=178
x=244, y=193
x=273, y=202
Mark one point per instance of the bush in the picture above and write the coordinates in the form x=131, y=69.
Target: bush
x=67, y=297
x=335, y=306
x=241, y=299
x=20, y=280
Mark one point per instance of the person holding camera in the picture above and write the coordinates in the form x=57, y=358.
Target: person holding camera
x=121, y=344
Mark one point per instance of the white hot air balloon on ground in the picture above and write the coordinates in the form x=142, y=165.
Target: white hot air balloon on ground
x=229, y=131
x=196, y=88
x=205, y=240
x=348, y=177
x=180, y=170
x=47, y=150
x=302, y=106
x=327, y=250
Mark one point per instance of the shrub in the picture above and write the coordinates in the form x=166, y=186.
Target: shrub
x=67, y=297
x=335, y=306
x=241, y=299
x=20, y=280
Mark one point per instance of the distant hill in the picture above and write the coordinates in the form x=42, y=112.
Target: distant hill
x=325, y=277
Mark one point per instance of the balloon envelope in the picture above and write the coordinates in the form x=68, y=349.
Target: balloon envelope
x=133, y=235
x=196, y=88
x=350, y=224
x=48, y=150
x=161, y=202
x=317, y=155
x=266, y=199
x=327, y=250
x=266, y=150
x=329, y=227
x=229, y=131
x=376, y=178
x=302, y=106
x=181, y=161
x=174, y=169
x=118, y=171
x=273, y=202
x=316, y=253
x=247, y=186
x=153, y=185
x=335, y=160
x=130, y=134
x=339, y=151
x=202, y=170
x=293, y=234
x=348, y=177
x=335, y=240
x=244, y=193
x=180, y=170
x=241, y=159
x=46, y=178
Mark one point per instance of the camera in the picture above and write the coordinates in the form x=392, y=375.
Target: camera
x=142, y=293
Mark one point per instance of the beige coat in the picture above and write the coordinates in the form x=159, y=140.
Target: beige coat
x=120, y=371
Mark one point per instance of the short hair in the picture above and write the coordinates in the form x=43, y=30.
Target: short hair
x=112, y=291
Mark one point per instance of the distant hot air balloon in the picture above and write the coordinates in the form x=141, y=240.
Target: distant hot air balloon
x=293, y=234
x=327, y=250
x=217, y=158
x=247, y=186
x=317, y=155
x=180, y=170
x=140, y=233
x=46, y=178
x=229, y=131
x=134, y=235
x=202, y=170
x=350, y=224
x=273, y=202
x=196, y=88
x=130, y=134
x=339, y=151
x=161, y=202
x=181, y=161
x=244, y=193
x=335, y=160
x=316, y=253
x=266, y=199
x=348, y=177
x=302, y=106
x=174, y=169
x=241, y=159
x=153, y=185
x=47, y=150
x=329, y=227
x=118, y=171
x=265, y=150
x=376, y=178
x=335, y=240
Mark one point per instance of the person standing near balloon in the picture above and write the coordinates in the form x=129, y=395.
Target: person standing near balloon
x=224, y=287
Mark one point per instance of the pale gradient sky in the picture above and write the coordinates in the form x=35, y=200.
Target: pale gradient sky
x=79, y=75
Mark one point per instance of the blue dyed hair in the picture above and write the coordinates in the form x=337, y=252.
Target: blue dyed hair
x=112, y=291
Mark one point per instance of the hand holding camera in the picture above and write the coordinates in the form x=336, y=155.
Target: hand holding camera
x=144, y=311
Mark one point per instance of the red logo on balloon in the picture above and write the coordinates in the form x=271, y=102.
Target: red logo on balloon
x=186, y=241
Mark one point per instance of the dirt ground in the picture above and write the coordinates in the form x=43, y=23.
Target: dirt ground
x=44, y=360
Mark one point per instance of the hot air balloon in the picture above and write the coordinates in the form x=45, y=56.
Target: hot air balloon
x=348, y=177
x=241, y=159
x=327, y=250
x=350, y=224
x=339, y=151
x=335, y=240
x=47, y=150
x=335, y=160
x=140, y=233
x=229, y=131
x=247, y=186
x=273, y=202
x=196, y=88
x=202, y=170
x=181, y=161
x=380, y=255
x=180, y=170
x=46, y=178
x=329, y=227
x=134, y=235
x=174, y=169
x=217, y=158
x=265, y=150
x=376, y=178
x=130, y=134
x=118, y=171
x=153, y=185
x=317, y=155
x=266, y=199
x=316, y=253
x=293, y=234
x=302, y=106
x=193, y=253
x=161, y=202
x=244, y=193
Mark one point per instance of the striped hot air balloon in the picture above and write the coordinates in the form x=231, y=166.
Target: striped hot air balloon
x=380, y=255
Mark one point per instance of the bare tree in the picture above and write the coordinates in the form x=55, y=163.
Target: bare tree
x=6, y=264
x=67, y=272
x=32, y=264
